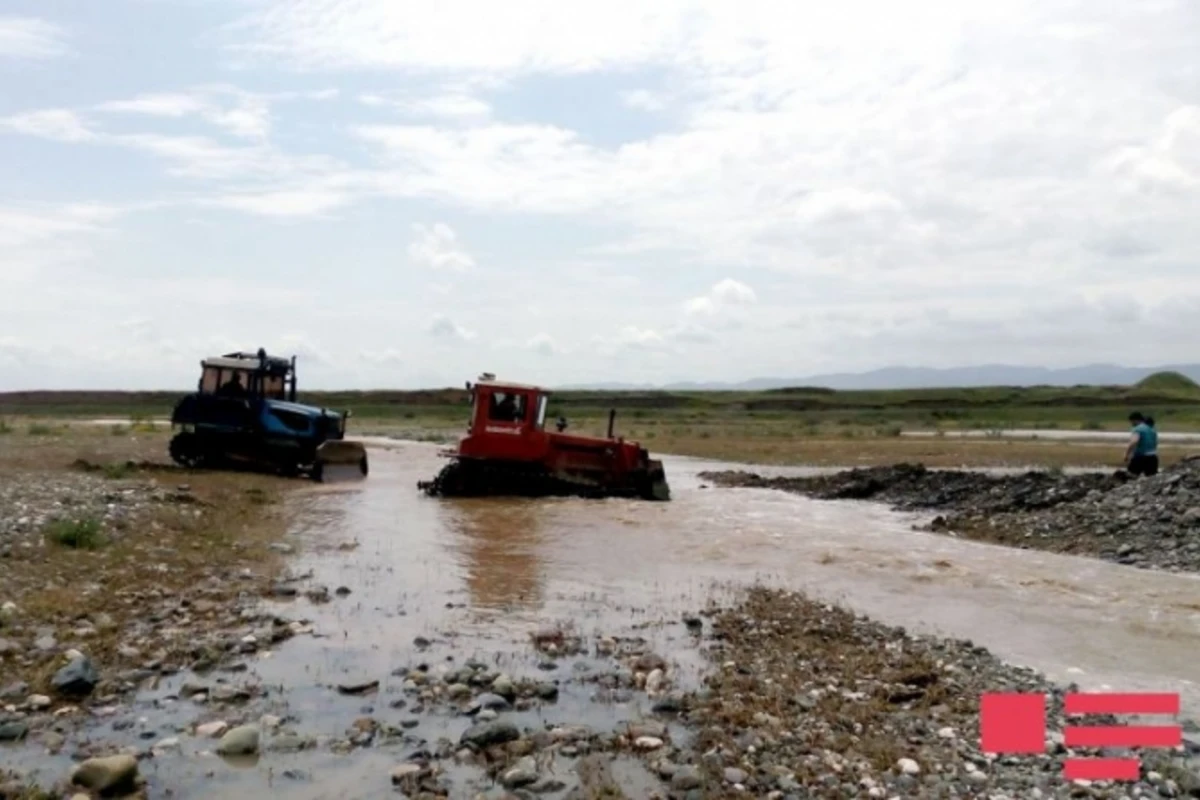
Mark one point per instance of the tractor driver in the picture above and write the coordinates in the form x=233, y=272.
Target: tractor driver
x=233, y=387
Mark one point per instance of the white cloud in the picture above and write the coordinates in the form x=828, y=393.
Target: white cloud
x=51, y=123
x=284, y=203
x=23, y=226
x=30, y=38
x=437, y=246
x=237, y=112
x=723, y=296
x=442, y=327
x=158, y=105
x=459, y=35
x=543, y=344
x=452, y=105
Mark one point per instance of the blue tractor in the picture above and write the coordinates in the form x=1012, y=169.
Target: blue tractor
x=244, y=413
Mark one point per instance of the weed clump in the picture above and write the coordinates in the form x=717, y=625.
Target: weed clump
x=77, y=534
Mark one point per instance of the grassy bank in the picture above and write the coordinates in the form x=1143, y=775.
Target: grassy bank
x=1174, y=401
x=802, y=425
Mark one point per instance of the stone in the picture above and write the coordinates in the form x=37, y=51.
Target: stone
x=404, y=773
x=647, y=743
x=503, y=686
x=359, y=687
x=458, y=691
x=76, y=679
x=242, y=740
x=211, y=730
x=107, y=774
x=655, y=681
x=523, y=774
x=489, y=701
x=487, y=734
x=735, y=775
x=908, y=766
x=39, y=702
x=13, y=731
x=14, y=690
x=686, y=778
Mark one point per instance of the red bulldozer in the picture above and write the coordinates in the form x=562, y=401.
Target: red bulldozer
x=508, y=451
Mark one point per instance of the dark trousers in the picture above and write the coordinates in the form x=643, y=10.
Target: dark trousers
x=1143, y=465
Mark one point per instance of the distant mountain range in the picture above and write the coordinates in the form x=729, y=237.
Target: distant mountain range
x=927, y=378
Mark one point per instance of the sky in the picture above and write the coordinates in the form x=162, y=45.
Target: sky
x=408, y=194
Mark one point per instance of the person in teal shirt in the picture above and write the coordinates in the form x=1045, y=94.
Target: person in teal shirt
x=1141, y=454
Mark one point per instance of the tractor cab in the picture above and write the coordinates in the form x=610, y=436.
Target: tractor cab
x=249, y=375
x=506, y=408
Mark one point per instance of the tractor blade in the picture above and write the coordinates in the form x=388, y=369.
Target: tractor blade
x=659, y=490
x=339, y=460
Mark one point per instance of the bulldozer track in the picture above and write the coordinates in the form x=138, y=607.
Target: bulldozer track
x=467, y=478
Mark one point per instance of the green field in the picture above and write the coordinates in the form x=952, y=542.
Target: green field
x=1173, y=399
x=803, y=425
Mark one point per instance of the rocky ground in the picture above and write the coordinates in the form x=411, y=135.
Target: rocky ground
x=1147, y=522
x=799, y=700
x=117, y=570
x=129, y=652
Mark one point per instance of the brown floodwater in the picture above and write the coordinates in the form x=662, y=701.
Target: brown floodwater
x=475, y=577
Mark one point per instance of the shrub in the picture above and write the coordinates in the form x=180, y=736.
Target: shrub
x=78, y=534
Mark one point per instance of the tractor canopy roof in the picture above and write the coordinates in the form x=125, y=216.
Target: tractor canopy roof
x=250, y=361
x=501, y=386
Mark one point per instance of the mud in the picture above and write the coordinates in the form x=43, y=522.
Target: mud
x=411, y=609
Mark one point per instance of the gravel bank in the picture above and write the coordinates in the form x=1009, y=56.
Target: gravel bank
x=807, y=700
x=1147, y=522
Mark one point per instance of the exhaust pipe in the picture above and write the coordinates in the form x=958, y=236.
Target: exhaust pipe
x=612, y=418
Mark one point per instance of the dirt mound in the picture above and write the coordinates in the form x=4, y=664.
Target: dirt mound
x=914, y=487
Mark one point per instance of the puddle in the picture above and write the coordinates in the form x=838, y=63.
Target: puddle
x=477, y=577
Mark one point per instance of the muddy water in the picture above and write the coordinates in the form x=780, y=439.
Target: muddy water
x=474, y=578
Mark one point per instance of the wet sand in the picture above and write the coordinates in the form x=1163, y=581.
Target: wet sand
x=476, y=577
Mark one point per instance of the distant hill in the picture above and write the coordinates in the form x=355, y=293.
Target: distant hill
x=930, y=378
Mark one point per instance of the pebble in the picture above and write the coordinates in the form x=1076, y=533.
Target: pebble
x=405, y=772
x=647, y=743
x=908, y=766
x=211, y=729
x=106, y=774
x=242, y=740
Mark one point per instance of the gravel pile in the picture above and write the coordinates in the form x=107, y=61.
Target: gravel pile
x=807, y=701
x=1147, y=522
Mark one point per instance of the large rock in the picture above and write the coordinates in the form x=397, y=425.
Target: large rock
x=239, y=741
x=487, y=700
x=13, y=731
x=76, y=679
x=106, y=775
x=487, y=734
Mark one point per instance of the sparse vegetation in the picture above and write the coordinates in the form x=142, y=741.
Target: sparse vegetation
x=78, y=534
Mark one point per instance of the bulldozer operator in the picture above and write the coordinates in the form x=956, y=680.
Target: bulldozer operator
x=232, y=387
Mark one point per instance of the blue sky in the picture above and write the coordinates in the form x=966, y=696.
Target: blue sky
x=408, y=194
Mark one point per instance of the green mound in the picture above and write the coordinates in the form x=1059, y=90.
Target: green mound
x=1168, y=382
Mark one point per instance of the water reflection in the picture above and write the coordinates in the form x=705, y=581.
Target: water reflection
x=498, y=542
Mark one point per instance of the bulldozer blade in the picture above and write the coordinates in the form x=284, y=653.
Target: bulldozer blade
x=659, y=489
x=339, y=460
